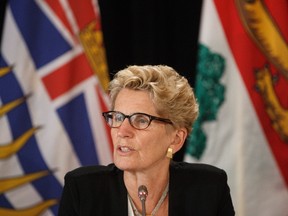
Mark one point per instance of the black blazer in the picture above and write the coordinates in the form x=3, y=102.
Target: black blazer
x=194, y=189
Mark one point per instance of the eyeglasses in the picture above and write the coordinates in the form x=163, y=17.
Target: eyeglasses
x=137, y=120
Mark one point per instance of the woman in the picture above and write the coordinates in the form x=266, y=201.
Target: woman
x=153, y=110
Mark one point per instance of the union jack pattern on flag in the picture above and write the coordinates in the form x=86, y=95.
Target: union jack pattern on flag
x=53, y=79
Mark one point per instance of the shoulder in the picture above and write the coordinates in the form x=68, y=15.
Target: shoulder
x=93, y=189
x=90, y=171
x=197, y=171
x=203, y=184
x=92, y=179
x=198, y=167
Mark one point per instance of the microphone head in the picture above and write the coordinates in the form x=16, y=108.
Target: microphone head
x=142, y=192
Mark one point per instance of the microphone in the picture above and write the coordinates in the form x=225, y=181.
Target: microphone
x=142, y=194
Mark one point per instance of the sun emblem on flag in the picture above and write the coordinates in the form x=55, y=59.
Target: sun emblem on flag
x=9, y=149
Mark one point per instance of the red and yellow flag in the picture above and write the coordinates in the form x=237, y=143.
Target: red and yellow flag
x=242, y=85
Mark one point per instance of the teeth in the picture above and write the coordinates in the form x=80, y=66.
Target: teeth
x=125, y=149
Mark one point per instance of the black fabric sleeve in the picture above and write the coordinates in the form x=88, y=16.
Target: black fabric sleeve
x=225, y=205
x=68, y=205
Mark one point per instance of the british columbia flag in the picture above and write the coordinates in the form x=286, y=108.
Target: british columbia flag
x=53, y=78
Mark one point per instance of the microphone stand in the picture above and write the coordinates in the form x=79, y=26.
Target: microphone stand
x=143, y=208
x=142, y=194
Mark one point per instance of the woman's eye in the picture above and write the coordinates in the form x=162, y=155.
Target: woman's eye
x=118, y=118
x=141, y=120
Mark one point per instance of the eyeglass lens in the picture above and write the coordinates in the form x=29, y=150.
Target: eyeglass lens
x=139, y=121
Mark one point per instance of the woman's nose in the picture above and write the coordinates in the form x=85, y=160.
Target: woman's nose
x=125, y=128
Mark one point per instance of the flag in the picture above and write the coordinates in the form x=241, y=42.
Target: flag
x=53, y=82
x=241, y=86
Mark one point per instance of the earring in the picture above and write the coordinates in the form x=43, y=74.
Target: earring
x=169, y=153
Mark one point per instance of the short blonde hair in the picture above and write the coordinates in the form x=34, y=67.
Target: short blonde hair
x=170, y=92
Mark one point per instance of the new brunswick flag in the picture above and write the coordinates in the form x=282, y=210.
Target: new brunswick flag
x=242, y=89
x=53, y=76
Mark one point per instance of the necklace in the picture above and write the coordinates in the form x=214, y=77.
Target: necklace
x=161, y=200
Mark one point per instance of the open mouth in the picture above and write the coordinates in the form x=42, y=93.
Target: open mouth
x=125, y=149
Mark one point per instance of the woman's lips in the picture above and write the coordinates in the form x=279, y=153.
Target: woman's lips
x=125, y=149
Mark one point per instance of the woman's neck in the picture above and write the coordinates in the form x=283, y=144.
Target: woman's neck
x=155, y=183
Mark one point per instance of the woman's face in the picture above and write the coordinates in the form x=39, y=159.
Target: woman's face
x=139, y=150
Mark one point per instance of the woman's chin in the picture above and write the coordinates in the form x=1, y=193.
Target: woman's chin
x=124, y=165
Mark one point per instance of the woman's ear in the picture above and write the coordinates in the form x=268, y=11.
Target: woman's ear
x=179, y=139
